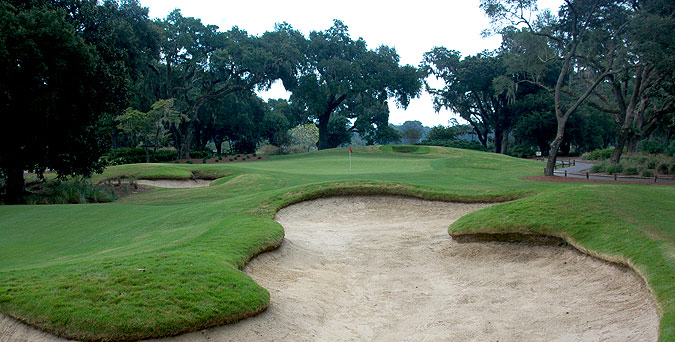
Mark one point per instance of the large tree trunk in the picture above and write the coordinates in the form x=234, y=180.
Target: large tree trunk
x=322, y=144
x=624, y=137
x=219, y=145
x=555, y=145
x=499, y=133
x=15, y=187
x=187, y=141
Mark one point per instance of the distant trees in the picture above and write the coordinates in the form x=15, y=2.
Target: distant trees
x=340, y=80
x=151, y=128
x=470, y=90
x=412, y=131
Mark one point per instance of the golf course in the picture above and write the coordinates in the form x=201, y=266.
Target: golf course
x=171, y=261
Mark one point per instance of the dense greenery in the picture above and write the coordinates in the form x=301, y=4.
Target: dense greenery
x=168, y=261
x=602, y=49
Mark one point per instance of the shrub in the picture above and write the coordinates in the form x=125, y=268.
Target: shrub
x=670, y=150
x=70, y=191
x=599, y=167
x=651, y=163
x=200, y=154
x=651, y=147
x=133, y=155
x=664, y=168
x=614, y=168
x=456, y=143
x=521, y=151
x=630, y=170
x=601, y=154
x=646, y=173
x=269, y=150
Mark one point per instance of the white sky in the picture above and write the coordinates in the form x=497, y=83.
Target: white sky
x=412, y=27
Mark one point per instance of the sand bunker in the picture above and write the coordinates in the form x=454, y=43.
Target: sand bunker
x=175, y=183
x=385, y=269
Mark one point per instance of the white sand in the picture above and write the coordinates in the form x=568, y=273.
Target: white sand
x=385, y=269
x=175, y=183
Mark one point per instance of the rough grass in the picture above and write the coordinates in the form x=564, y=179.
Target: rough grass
x=168, y=261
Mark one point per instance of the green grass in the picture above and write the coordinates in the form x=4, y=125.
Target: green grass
x=169, y=261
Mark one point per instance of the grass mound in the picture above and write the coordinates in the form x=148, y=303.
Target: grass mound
x=168, y=261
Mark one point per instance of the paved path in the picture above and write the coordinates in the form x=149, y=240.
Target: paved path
x=580, y=168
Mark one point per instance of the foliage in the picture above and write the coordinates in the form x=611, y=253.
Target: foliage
x=306, y=136
x=472, y=89
x=652, y=147
x=557, y=52
x=242, y=119
x=456, y=143
x=133, y=155
x=54, y=88
x=522, y=151
x=342, y=77
x=411, y=132
x=643, y=164
x=150, y=129
x=447, y=133
x=72, y=191
x=670, y=151
x=600, y=154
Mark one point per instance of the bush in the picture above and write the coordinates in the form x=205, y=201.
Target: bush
x=651, y=147
x=598, y=168
x=68, y=192
x=601, y=154
x=630, y=170
x=614, y=168
x=465, y=144
x=134, y=155
x=269, y=150
x=646, y=173
x=664, y=168
x=670, y=150
x=200, y=154
x=521, y=151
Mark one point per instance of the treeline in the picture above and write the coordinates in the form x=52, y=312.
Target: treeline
x=82, y=77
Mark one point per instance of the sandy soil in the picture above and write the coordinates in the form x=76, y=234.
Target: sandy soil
x=385, y=269
x=175, y=183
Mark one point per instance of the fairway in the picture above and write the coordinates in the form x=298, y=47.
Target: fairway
x=169, y=261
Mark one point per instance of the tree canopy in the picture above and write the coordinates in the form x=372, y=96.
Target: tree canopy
x=340, y=80
x=53, y=92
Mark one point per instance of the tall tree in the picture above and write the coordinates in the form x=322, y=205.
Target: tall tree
x=201, y=64
x=549, y=41
x=470, y=90
x=52, y=95
x=341, y=76
x=640, y=93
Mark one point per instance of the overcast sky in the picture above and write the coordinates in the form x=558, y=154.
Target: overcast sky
x=412, y=27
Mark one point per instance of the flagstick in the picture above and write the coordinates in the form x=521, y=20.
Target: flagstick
x=350, y=160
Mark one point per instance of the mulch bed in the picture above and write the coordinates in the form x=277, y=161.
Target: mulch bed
x=584, y=180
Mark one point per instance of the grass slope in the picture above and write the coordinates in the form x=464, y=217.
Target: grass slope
x=168, y=261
